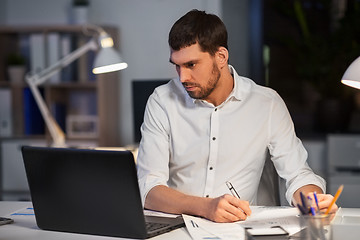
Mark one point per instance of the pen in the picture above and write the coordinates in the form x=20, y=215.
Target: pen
x=312, y=210
x=316, y=201
x=303, y=201
x=338, y=192
x=233, y=192
x=301, y=208
x=232, y=189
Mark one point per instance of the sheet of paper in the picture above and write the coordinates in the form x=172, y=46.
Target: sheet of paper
x=194, y=229
x=262, y=216
x=159, y=214
x=200, y=228
x=24, y=212
x=268, y=212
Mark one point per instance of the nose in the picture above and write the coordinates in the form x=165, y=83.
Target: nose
x=184, y=74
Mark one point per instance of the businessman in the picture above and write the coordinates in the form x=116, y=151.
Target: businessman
x=210, y=126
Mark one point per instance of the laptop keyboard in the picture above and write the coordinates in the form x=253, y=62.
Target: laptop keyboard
x=152, y=226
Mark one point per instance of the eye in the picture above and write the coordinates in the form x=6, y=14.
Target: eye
x=190, y=65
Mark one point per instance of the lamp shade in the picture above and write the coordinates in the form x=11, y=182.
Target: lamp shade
x=108, y=60
x=352, y=74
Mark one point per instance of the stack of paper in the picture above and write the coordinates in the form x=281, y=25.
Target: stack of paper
x=262, y=217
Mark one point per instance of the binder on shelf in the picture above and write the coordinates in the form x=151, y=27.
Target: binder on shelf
x=82, y=62
x=53, y=54
x=33, y=120
x=24, y=46
x=37, y=52
x=91, y=58
x=68, y=72
x=5, y=113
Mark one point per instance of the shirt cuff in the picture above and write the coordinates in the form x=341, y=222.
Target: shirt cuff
x=301, y=181
x=146, y=186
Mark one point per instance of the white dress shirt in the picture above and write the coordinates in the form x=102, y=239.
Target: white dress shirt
x=195, y=147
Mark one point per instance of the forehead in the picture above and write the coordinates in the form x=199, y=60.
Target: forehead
x=188, y=54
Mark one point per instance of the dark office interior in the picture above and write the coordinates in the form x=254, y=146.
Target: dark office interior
x=300, y=48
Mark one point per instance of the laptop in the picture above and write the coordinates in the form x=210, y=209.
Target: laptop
x=89, y=192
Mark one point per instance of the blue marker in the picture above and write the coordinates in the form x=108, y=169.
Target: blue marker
x=303, y=201
x=316, y=201
x=312, y=211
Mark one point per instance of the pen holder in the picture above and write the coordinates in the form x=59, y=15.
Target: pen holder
x=315, y=227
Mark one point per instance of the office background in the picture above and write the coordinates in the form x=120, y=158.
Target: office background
x=143, y=28
x=261, y=34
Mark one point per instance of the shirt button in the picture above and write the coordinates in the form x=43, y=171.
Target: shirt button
x=211, y=168
x=215, y=109
x=214, y=138
x=207, y=195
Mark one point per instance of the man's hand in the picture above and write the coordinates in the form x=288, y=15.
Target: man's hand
x=324, y=202
x=227, y=209
x=221, y=209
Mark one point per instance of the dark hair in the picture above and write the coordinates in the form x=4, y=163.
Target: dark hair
x=198, y=27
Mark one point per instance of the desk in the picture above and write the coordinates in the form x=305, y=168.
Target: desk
x=25, y=227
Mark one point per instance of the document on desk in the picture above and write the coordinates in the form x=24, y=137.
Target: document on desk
x=261, y=217
x=201, y=229
x=28, y=211
x=264, y=216
x=159, y=214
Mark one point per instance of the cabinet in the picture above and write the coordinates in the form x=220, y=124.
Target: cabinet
x=75, y=91
x=344, y=167
x=13, y=182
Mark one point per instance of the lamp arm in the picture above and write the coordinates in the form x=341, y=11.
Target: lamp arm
x=57, y=134
x=56, y=67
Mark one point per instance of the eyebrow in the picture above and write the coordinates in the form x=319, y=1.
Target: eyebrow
x=185, y=63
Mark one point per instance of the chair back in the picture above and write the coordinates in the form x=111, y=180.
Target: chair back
x=268, y=191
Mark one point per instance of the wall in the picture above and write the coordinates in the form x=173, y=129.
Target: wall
x=2, y=11
x=22, y=12
x=236, y=18
x=143, y=27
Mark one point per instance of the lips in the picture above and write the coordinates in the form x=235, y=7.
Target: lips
x=189, y=87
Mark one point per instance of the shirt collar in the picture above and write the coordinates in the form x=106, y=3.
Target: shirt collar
x=235, y=93
x=240, y=87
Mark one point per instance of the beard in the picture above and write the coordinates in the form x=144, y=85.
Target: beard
x=205, y=91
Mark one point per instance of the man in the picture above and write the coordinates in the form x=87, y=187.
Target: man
x=210, y=126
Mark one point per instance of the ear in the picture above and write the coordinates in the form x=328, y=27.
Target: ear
x=222, y=56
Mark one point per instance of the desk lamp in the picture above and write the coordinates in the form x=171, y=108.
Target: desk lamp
x=352, y=74
x=107, y=60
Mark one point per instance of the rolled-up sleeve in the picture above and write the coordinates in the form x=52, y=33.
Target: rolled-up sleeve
x=287, y=151
x=153, y=156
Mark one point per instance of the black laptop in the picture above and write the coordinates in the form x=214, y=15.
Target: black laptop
x=90, y=192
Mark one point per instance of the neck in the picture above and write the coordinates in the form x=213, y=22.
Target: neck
x=223, y=89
